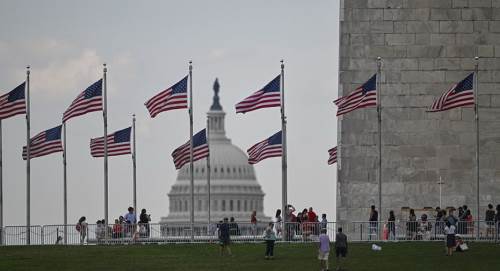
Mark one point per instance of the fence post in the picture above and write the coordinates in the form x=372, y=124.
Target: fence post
x=42, y=239
x=360, y=232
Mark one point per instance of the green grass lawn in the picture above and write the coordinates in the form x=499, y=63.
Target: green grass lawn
x=289, y=257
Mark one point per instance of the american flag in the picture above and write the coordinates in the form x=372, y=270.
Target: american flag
x=270, y=147
x=182, y=155
x=44, y=143
x=172, y=98
x=364, y=96
x=461, y=94
x=89, y=100
x=118, y=144
x=13, y=103
x=269, y=96
x=333, y=156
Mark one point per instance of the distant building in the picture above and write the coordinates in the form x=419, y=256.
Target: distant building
x=235, y=191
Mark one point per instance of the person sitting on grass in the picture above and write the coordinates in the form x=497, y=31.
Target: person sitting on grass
x=340, y=247
x=270, y=238
x=461, y=246
x=224, y=238
x=324, y=250
x=450, y=230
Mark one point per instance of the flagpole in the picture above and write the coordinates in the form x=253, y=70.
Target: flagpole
x=284, y=154
x=134, y=164
x=65, y=184
x=476, y=109
x=379, y=114
x=208, y=176
x=28, y=157
x=1, y=187
x=105, y=118
x=191, y=168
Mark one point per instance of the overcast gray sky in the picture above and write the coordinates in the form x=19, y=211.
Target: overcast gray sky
x=147, y=45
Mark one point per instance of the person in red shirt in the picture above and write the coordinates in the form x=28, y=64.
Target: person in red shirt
x=117, y=229
x=253, y=221
x=311, y=215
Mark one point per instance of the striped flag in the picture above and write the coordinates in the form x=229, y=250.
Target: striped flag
x=44, y=143
x=13, y=103
x=172, y=98
x=269, y=96
x=182, y=155
x=269, y=147
x=333, y=156
x=118, y=144
x=89, y=100
x=364, y=96
x=460, y=95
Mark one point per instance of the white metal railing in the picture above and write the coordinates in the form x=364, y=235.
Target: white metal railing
x=244, y=232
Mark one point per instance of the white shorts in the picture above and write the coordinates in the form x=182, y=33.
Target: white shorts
x=323, y=256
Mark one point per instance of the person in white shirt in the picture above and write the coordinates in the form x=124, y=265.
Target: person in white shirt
x=277, y=222
x=450, y=230
x=131, y=221
x=100, y=230
x=130, y=217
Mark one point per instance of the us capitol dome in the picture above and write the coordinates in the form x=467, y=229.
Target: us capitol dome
x=234, y=189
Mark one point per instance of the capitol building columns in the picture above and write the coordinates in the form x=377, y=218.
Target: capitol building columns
x=235, y=191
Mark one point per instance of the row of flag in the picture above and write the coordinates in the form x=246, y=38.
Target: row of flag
x=459, y=95
x=175, y=97
x=49, y=141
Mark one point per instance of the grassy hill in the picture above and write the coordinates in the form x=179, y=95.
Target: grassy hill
x=290, y=257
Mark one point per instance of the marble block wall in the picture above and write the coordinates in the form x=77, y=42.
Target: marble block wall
x=426, y=47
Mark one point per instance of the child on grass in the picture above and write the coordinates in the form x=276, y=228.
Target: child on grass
x=270, y=238
x=450, y=237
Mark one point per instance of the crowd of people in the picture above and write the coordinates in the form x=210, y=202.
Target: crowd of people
x=419, y=228
x=307, y=222
x=124, y=226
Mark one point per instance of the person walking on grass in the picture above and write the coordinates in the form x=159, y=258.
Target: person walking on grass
x=324, y=250
x=224, y=238
x=340, y=247
x=450, y=231
x=270, y=238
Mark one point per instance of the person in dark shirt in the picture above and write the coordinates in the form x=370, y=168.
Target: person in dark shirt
x=490, y=220
x=340, y=247
x=224, y=238
x=497, y=220
x=373, y=222
x=391, y=223
x=452, y=218
x=144, y=219
x=234, y=229
x=461, y=220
